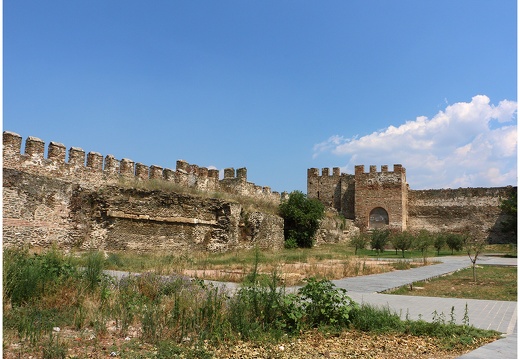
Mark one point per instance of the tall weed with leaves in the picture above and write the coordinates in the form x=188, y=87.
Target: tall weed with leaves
x=94, y=270
x=324, y=304
x=257, y=307
x=28, y=277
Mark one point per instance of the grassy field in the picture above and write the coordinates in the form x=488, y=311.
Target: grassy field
x=493, y=283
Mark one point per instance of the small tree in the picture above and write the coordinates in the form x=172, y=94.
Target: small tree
x=422, y=242
x=473, y=246
x=402, y=241
x=302, y=218
x=455, y=242
x=439, y=242
x=378, y=239
x=359, y=241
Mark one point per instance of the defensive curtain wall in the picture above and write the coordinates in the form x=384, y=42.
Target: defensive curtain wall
x=382, y=198
x=82, y=202
x=87, y=201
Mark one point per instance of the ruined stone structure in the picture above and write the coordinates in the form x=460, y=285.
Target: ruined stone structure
x=102, y=203
x=383, y=199
x=87, y=201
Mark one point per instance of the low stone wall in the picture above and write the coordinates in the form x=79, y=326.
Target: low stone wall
x=335, y=229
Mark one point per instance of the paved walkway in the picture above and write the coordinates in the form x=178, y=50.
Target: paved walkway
x=485, y=314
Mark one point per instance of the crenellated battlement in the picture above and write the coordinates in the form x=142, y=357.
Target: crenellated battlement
x=94, y=170
x=325, y=172
x=398, y=169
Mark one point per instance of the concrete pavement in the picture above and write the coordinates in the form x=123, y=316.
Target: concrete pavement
x=485, y=314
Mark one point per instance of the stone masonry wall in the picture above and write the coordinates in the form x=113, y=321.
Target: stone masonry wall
x=40, y=211
x=453, y=210
x=459, y=210
x=49, y=201
x=334, y=191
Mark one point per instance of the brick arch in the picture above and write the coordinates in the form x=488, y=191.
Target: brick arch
x=378, y=218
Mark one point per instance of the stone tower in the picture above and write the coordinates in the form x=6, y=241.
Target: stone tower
x=381, y=198
x=373, y=199
x=336, y=190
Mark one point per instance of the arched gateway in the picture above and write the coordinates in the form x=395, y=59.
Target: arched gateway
x=378, y=218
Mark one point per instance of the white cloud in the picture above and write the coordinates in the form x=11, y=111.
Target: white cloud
x=469, y=144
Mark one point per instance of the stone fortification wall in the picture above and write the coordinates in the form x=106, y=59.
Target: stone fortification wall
x=364, y=196
x=47, y=200
x=459, y=210
x=94, y=170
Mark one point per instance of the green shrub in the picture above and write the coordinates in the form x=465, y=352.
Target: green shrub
x=369, y=318
x=359, y=241
x=455, y=242
x=291, y=243
x=422, y=241
x=301, y=218
x=439, y=242
x=402, y=241
x=324, y=304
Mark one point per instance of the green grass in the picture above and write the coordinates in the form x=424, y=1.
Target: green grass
x=493, y=283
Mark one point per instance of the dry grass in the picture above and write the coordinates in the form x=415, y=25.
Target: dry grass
x=331, y=261
x=315, y=344
x=295, y=273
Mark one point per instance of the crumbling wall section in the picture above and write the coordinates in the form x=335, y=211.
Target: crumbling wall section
x=85, y=202
x=40, y=211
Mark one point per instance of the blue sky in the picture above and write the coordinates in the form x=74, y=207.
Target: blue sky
x=274, y=86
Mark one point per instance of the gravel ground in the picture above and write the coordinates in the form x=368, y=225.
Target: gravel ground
x=346, y=345
x=351, y=344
